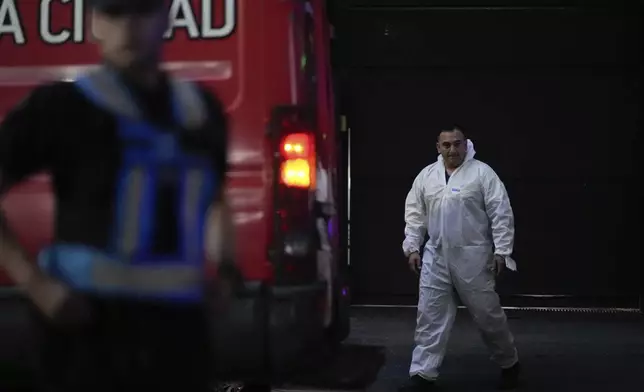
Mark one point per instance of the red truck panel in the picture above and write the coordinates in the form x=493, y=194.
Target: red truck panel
x=243, y=49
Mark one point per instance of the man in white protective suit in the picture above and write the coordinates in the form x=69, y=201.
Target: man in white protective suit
x=464, y=207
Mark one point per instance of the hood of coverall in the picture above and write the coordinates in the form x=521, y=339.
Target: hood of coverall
x=469, y=155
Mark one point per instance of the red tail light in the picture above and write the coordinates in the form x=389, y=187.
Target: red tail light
x=293, y=142
x=297, y=169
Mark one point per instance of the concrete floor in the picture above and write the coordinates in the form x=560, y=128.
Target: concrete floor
x=559, y=351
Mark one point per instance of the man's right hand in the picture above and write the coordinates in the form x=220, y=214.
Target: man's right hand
x=56, y=302
x=228, y=283
x=415, y=262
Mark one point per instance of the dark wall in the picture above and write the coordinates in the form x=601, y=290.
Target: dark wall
x=551, y=98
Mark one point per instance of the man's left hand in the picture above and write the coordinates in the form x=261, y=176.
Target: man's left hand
x=228, y=284
x=499, y=265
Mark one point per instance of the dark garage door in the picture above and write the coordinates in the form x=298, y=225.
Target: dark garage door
x=551, y=98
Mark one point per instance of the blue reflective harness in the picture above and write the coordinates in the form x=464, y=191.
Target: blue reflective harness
x=129, y=267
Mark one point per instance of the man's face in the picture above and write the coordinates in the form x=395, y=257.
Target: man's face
x=453, y=147
x=130, y=39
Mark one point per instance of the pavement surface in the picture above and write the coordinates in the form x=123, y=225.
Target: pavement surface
x=559, y=351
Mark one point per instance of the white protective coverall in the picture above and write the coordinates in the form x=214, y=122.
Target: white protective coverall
x=324, y=196
x=468, y=219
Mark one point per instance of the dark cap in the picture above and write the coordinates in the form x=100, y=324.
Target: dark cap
x=126, y=7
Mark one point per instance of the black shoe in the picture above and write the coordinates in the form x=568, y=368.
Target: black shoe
x=510, y=378
x=418, y=384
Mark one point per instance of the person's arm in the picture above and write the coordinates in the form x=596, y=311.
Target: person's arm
x=220, y=231
x=499, y=211
x=415, y=217
x=26, y=148
x=220, y=234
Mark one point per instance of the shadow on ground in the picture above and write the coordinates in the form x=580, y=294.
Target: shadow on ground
x=559, y=351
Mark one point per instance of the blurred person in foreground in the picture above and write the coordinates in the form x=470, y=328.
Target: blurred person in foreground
x=464, y=207
x=138, y=164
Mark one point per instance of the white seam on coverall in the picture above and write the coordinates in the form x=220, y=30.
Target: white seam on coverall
x=468, y=219
x=325, y=266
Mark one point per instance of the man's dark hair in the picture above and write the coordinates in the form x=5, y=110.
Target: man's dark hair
x=121, y=7
x=453, y=128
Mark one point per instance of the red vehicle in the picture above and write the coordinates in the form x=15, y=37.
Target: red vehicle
x=268, y=61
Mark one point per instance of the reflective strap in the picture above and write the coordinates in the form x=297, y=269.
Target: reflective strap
x=87, y=269
x=130, y=195
x=111, y=275
x=106, y=91
x=190, y=110
x=191, y=213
